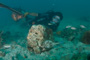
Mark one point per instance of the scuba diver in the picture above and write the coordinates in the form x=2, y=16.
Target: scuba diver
x=50, y=19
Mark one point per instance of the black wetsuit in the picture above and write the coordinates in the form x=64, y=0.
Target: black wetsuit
x=46, y=18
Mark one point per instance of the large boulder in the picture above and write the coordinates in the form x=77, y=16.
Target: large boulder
x=40, y=38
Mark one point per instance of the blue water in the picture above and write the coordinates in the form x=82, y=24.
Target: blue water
x=73, y=12
x=69, y=8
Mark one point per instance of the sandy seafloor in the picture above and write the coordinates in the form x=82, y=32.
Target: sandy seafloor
x=18, y=40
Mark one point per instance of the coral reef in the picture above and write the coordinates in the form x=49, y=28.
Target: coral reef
x=70, y=32
x=40, y=38
x=86, y=37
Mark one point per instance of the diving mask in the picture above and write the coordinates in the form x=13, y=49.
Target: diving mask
x=55, y=20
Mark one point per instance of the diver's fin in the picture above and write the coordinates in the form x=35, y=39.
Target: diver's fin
x=7, y=7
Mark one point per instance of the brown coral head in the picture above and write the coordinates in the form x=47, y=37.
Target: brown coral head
x=86, y=37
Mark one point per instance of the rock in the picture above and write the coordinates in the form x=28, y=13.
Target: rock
x=69, y=33
x=37, y=36
x=86, y=37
